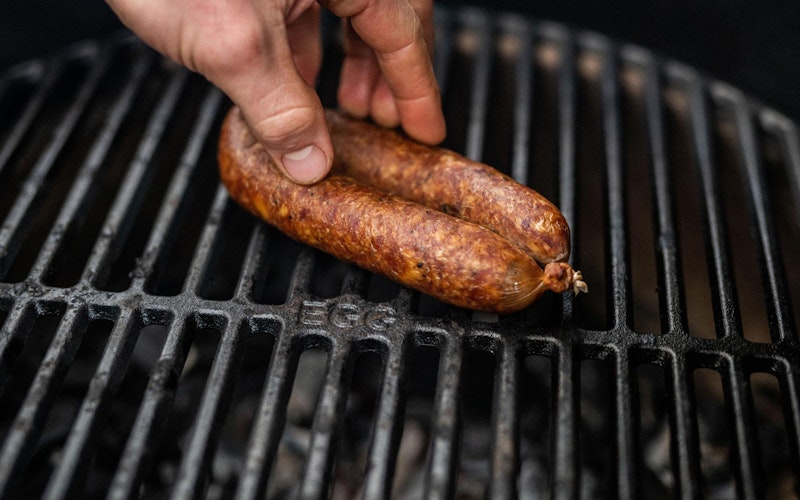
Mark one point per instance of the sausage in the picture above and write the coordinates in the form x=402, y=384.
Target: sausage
x=455, y=261
x=442, y=179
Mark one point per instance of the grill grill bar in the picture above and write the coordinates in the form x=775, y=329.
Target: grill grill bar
x=80, y=196
x=388, y=427
x=672, y=305
x=18, y=447
x=566, y=460
x=174, y=207
x=73, y=466
x=567, y=105
x=326, y=423
x=617, y=236
x=268, y=421
x=504, y=446
x=119, y=221
x=17, y=224
x=23, y=123
x=195, y=463
x=685, y=442
x=726, y=312
x=440, y=473
x=479, y=97
x=748, y=483
x=627, y=455
x=150, y=421
x=779, y=309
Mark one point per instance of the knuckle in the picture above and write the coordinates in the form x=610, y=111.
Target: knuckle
x=289, y=128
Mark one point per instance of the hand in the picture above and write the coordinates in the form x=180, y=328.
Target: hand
x=265, y=55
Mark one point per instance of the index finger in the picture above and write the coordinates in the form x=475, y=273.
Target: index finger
x=394, y=32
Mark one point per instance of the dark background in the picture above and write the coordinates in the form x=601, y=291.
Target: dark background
x=754, y=45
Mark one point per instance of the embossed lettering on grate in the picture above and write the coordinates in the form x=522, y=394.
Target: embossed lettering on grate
x=158, y=341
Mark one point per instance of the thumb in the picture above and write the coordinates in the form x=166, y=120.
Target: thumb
x=282, y=110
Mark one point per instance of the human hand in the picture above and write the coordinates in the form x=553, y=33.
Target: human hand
x=265, y=55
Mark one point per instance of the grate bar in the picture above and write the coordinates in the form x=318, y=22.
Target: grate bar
x=16, y=227
x=316, y=477
x=269, y=421
x=790, y=390
x=567, y=104
x=211, y=415
x=524, y=85
x=302, y=274
x=253, y=264
x=444, y=45
x=779, y=309
x=627, y=455
x=617, y=235
x=21, y=441
x=685, y=447
x=476, y=128
x=78, y=450
x=205, y=249
x=746, y=454
x=388, y=424
x=566, y=479
x=120, y=217
x=15, y=330
x=726, y=311
x=151, y=419
x=790, y=138
x=673, y=310
x=173, y=207
x=47, y=77
x=505, y=449
x=445, y=422
x=77, y=202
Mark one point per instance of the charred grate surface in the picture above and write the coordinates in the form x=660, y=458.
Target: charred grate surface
x=157, y=341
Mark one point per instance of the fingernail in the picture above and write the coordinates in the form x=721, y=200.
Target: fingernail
x=305, y=165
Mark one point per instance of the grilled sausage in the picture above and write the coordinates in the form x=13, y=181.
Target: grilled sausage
x=458, y=262
x=444, y=180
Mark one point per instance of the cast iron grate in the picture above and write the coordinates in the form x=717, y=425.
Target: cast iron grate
x=157, y=341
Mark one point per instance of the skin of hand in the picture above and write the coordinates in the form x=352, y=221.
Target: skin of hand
x=265, y=55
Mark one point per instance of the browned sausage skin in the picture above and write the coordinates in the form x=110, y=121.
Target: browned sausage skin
x=455, y=261
x=444, y=180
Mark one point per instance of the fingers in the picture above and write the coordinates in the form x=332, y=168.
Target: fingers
x=281, y=106
x=305, y=42
x=265, y=55
x=359, y=74
x=390, y=34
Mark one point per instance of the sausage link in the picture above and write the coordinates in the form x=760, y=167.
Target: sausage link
x=457, y=262
x=444, y=180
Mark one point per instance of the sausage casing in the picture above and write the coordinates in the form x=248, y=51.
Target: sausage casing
x=444, y=180
x=458, y=262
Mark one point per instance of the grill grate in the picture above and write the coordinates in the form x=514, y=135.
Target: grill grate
x=157, y=341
